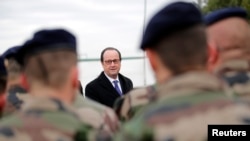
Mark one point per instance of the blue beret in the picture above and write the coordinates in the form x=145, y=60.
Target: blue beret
x=3, y=71
x=224, y=13
x=171, y=19
x=43, y=40
x=11, y=52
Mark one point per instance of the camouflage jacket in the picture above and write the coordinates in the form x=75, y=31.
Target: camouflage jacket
x=44, y=119
x=184, y=106
x=16, y=96
x=96, y=114
x=237, y=74
x=127, y=105
x=14, y=99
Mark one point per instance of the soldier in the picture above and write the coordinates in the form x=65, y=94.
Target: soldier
x=188, y=98
x=15, y=90
x=229, y=33
x=99, y=115
x=128, y=105
x=49, y=62
x=17, y=94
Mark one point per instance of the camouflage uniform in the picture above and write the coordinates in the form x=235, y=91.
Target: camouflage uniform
x=127, y=105
x=98, y=114
x=14, y=100
x=14, y=89
x=57, y=121
x=237, y=74
x=42, y=117
x=185, y=105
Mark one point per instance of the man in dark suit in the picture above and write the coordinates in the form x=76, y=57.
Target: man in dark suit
x=110, y=84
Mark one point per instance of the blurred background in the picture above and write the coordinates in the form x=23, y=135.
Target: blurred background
x=96, y=23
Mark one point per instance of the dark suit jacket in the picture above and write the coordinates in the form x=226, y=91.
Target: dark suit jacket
x=102, y=91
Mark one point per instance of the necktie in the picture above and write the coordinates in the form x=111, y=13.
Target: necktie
x=117, y=87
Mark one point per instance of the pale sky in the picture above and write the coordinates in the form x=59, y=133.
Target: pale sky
x=96, y=23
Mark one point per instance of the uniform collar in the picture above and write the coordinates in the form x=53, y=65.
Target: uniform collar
x=192, y=83
x=45, y=104
x=237, y=65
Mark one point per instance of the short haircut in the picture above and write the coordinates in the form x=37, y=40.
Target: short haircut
x=50, y=68
x=14, y=69
x=110, y=48
x=184, y=50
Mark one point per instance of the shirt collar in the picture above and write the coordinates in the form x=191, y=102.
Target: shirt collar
x=111, y=79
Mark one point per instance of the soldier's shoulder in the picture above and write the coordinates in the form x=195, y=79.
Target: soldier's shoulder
x=15, y=97
x=239, y=83
x=96, y=114
x=142, y=95
x=127, y=105
x=167, y=121
x=38, y=129
x=47, y=125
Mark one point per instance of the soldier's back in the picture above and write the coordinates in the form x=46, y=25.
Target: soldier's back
x=183, y=120
x=98, y=115
x=87, y=110
x=184, y=109
x=43, y=119
x=128, y=105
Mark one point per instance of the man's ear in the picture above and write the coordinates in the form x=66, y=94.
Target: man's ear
x=24, y=82
x=212, y=56
x=74, y=77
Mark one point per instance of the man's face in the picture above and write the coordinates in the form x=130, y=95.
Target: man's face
x=111, y=63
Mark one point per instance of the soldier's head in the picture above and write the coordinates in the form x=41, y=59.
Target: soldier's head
x=228, y=35
x=49, y=60
x=13, y=67
x=111, y=61
x=175, y=40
